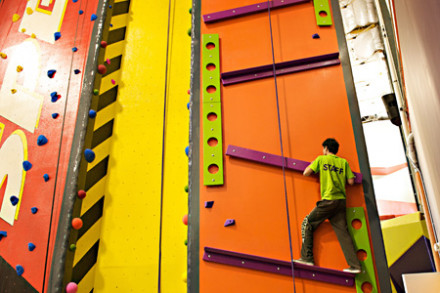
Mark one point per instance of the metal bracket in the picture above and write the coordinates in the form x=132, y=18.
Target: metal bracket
x=281, y=68
x=212, y=112
x=278, y=266
x=274, y=160
x=249, y=9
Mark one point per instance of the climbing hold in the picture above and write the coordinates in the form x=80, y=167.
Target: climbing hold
x=3, y=234
x=31, y=246
x=188, y=91
x=51, y=73
x=72, y=247
x=89, y=155
x=185, y=219
x=190, y=10
x=315, y=36
x=29, y=10
x=74, y=49
x=111, y=25
x=184, y=277
x=33, y=36
x=19, y=68
x=27, y=165
x=92, y=113
x=14, y=200
x=96, y=92
x=187, y=150
x=74, y=1
x=186, y=189
x=103, y=44
x=229, y=222
x=19, y=269
x=77, y=223
x=54, y=96
x=81, y=194
x=209, y=204
x=3, y=55
x=13, y=91
x=71, y=288
x=186, y=242
x=23, y=30
x=189, y=32
x=46, y=177
x=15, y=17
x=102, y=69
x=110, y=6
x=80, y=12
x=34, y=210
x=77, y=71
x=187, y=105
x=55, y=115
x=108, y=61
x=57, y=36
x=113, y=81
x=41, y=140
x=93, y=17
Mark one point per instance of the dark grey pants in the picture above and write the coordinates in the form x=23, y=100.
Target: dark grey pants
x=335, y=211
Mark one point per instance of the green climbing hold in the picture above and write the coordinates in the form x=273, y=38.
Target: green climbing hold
x=189, y=32
x=186, y=241
x=190, y=10
x=186, y=189
x=96, y=92
x=72, y=247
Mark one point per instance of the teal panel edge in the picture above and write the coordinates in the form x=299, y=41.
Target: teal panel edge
x=322, y=6
x=361, y=241
x=212, y=118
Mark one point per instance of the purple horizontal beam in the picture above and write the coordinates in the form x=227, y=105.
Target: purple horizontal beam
x=250, y=9
x=278, y=266
x=265, y=71
x=273, y=160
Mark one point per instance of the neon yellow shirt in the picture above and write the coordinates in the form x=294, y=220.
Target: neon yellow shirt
x=334, y=172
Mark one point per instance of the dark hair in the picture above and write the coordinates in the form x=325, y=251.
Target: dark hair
x=332, y=145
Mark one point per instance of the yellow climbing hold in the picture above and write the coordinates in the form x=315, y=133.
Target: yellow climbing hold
x=33, y=36
x=13, y=91
x=3, y=55
x=19, y=68
x=29, y=11
x=23, y=30
x=15, y=17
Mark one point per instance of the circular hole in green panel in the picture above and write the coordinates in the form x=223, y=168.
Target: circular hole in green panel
x=356, y=223
x=367, y=287
x=212, y=141
x=211, y=89
x=213, y=168
x=212, y=116
x=210, y=46
x=210, y=67
x=362, y=255
x=323, y=13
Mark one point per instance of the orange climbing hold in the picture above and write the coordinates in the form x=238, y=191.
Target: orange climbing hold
x=19, y=68
x=3, y=55
x=77, y=223
x=13, y=91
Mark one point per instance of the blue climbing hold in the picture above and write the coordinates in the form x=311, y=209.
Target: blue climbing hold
x=77, y=71
x=19, y=269
x=80, y=12
x=27, y=165
x=92, y=113
x=209, y=204
x=89, y=155
x=3, y=234
x=14, y=200
x=111, y=25
x=31, y=246
x=187, y=106
x=315, y=36
x=54, y=97
x=57, y=36
x=51, y=73
x=94, y=17
x=187, y=150
x=110, y=6
x=74, y=1
x=55, y=115
x=46, y=177
x=34, y=210
x=74, y=49
x=41, y=140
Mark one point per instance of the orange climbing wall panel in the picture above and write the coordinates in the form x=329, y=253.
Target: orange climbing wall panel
x=28, y=113
x=313, y=107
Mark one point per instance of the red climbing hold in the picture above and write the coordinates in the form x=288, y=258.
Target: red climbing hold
x=102, y=69
x=81, y=194
x=103, y=44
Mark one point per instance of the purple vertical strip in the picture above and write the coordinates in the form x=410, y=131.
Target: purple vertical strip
x=278, y=266
x=249, y=9
x=273, y=160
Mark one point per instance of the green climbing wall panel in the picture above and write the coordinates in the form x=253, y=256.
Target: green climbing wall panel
x=212, y=114
x=362, y=242
x=322, y=12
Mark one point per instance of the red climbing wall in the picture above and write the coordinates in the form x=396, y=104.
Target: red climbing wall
x=313, y=107
x=26, y=112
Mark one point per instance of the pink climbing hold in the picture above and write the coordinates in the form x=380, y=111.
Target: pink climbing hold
x=108, y=61
x=71, y=288
x=113, y=81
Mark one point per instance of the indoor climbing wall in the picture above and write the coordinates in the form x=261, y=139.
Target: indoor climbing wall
x=44, y=46
x=241, y=200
